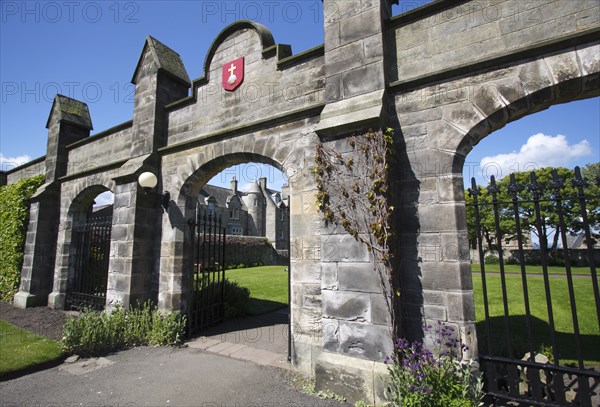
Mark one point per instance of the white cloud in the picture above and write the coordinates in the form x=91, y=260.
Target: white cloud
x=539, y=151
x=8, y=163
x=105, y=198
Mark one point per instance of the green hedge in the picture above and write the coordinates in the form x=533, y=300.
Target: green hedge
x=14, y=217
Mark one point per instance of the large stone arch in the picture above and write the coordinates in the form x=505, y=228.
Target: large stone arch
x=440, y=124
x=76, y=199
x=285, y=147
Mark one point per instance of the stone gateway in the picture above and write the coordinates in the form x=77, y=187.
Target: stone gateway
x=443, y=76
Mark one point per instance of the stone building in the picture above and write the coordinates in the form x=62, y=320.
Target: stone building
x=259, y=211
x=442, y=76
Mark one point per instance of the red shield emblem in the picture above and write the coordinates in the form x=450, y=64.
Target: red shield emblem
x=233, y=74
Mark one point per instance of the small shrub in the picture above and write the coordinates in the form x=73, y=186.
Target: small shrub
x=420, y=377
x=513, y=260
x=491, y=259
x=548, y=351
x=97, y=333
x=556, y=261
x=167, y=329
x=237, y=299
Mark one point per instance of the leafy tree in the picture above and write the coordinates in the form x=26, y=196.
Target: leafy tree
x=548, y=186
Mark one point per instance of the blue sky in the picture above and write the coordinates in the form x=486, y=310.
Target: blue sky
x=89, y=49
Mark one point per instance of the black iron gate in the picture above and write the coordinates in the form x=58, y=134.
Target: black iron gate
x=91, y=264
x=207, y=299
x=539, y=343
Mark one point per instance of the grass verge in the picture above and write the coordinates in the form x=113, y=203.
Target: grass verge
x=531, y=270
x=21, y=350
x=268, y=287
x=559, y=294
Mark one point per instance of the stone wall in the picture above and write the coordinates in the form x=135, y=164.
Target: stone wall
x=100, y=150
x=430, y=42
x=441, y=76
x=28, y=170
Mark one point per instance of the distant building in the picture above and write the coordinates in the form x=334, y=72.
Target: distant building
x=259, y=211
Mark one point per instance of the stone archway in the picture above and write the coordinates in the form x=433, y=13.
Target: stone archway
x=75, y=216
x=197, y=167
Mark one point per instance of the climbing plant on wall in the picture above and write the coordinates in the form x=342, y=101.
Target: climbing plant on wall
x=353, y=192
x=14, y=217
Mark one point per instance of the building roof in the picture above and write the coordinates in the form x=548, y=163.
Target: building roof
x=221, y=195
x=254, y=188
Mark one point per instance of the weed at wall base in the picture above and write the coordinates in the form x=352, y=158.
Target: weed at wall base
x=96, y=333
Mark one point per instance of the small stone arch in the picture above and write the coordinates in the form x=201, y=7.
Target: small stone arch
x=177, y=244
x=73, y=215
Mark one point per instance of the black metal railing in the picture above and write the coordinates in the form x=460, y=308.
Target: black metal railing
x=90, y=279
x=534, y=350
x=207, y=299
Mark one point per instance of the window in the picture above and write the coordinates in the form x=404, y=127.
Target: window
x=211, y=209
x=281, y=217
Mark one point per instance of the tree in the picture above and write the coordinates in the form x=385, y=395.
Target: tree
x=554, y=192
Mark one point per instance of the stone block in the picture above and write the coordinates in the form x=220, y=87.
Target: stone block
x=344, y=305
x=306, y=272
x=363, y=80
x=442, y=217
x=329, y=276
x=312, y=296
x=365, y=341
x=344, y=58
x=442, y=276
x=461, y=306
x=434, y=312
x=360, y=26
x=537, y=81
x=331, y=331
x=380, y=313
x=359, y=277
x=343, y=248
x=463, y=115
x=455, y=246
x=347, y=376
x=565, y=72
x=590, y=59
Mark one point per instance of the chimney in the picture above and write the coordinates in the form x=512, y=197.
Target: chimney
x=234, y=184
x=262, y=181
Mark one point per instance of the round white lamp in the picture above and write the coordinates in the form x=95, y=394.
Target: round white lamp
x=148, y=182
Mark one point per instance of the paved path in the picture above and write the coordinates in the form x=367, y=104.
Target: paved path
x=158, y=377
x=242, y=362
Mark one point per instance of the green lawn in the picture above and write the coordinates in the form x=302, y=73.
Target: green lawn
x=20, y=349
x=586, y=314
x=268, y=287
x=515, y=268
